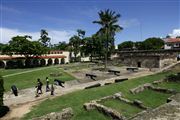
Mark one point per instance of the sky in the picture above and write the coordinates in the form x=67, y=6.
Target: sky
x=140, y=19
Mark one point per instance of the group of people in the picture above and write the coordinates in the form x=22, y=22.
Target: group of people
x=39, y=85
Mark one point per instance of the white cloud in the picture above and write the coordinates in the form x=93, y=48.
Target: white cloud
x=129, y=23
x=55, y=35
x=175, y=33
x=11, y=10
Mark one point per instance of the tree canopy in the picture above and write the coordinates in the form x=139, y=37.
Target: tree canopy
x=148, y=44
x=108, y=20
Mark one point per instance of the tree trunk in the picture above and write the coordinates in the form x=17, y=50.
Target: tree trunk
x=106, y=51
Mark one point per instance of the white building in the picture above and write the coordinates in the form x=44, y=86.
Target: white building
x=172, y=43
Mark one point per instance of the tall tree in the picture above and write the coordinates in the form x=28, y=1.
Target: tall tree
x=1, y=90
x=76, y=43
x=109, y=26
x=44, y=39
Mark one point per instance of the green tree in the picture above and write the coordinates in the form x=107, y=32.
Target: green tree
x=1, y=90
x=44, y=39
x=127, y=45
x=109, y=26
x=60, y=46
x=153, y=43
x=75, y=43
x=19, y=45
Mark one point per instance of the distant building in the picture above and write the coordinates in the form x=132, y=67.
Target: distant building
x=172, y=43
x=53, y=57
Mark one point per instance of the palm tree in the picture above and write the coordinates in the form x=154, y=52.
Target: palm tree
x=108, y=20
x=44, y=39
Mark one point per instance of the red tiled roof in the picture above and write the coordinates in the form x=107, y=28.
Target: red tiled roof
x=41, y=57
x=172, y=40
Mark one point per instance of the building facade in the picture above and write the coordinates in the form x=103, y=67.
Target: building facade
x=53, y=57
x=172, y=43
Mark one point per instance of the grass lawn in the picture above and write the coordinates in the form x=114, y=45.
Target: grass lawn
x=78, y=98
x=170, y=85
x=126, y=109
x=29, y=79
x=150, y=98
x=4, y=72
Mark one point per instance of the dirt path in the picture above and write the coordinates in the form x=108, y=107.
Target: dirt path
x=16, y=112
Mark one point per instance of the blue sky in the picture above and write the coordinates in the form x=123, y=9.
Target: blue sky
x=139, y=18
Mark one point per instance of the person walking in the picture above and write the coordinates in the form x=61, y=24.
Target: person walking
x=47, y=84
x=39, y=86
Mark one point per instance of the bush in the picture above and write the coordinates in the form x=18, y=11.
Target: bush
x=3, y=110
x=20, y=63
x=173, y=78
x=11, y=64
x=28, y=63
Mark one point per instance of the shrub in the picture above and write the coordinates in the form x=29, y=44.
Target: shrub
x=173, y=78
x=35, y=62
x=11, y=64
x=28, y=63
x=3, y=110
x=42, y=62
x=20, y=63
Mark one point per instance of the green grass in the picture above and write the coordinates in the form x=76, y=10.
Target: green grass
x=150, y=98
x=126, y=109
x=4, y=72
x=78, y=98
x=27, y=80
x=170, y=85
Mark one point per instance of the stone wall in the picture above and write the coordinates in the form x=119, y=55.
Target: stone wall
x=141, y=61
x=147, y=58
x=65, y=114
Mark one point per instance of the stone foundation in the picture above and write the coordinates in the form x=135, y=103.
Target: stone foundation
x=65, y=114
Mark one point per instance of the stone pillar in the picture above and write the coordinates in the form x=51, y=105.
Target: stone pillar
x=46, y=61
x=4, y=63
x=53, y=61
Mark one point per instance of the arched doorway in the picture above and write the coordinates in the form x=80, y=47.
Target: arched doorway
x=49, y=61
x=62, y=61
x=28, y=63
x=42, y=62
x=56, y=61
x=2, y=64
x=35, y=62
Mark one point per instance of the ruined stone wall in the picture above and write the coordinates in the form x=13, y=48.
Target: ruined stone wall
x=141, y=61
x=167, y=61
x=148, y=59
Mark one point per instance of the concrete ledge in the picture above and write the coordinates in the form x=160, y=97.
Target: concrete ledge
x=93, y=86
